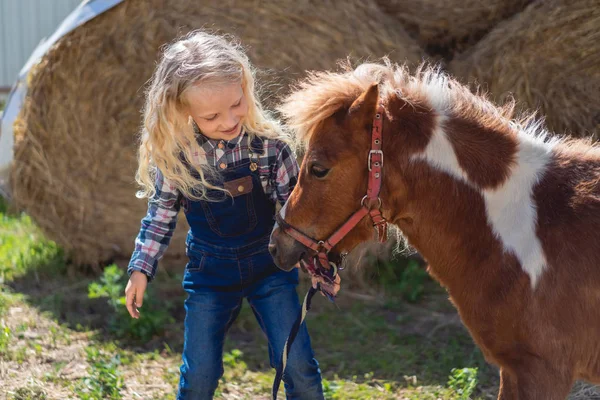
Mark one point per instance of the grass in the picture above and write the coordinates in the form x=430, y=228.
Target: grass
x=104, y=379
x=23, y=247
x=157, y=313
x=29, y=393
x=70, y=337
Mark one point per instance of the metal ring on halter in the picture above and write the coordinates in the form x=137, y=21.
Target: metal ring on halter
x=362, y=202
x=335, y=268
x=321, y=244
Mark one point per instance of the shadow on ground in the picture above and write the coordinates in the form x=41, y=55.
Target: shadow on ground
x=361, y=337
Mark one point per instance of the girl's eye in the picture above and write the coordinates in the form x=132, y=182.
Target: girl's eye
x=318, y=171
x=211, y=118
x=237, y=104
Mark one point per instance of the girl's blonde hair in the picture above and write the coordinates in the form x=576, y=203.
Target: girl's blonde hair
x=168, y=138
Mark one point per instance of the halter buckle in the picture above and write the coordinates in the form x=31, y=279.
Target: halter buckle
x=371, y=152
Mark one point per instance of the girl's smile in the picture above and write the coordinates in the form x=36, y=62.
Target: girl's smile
x=233, y=131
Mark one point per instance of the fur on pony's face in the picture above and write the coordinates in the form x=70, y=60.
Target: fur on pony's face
x=332, y=180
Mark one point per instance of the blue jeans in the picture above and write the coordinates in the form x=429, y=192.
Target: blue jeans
x=210, y=311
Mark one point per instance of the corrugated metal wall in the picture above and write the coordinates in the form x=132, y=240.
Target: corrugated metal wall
x=23, y=24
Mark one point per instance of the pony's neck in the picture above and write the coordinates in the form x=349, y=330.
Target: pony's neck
x=470, y=195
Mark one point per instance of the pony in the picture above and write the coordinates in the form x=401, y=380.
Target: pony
x=505, y=214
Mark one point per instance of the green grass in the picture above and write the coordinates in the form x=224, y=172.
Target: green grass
x=23, y=247
x=463, y=382
x=156, y=314
x=29, y=393
x=105, y=379
x=5, y=336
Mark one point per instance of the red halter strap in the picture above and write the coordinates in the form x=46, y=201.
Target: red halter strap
x=370, y=203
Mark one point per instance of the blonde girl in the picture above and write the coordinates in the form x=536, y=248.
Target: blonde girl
x=209, y=148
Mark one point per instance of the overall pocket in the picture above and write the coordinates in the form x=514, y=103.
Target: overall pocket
x=196, y=259
x=235, y=215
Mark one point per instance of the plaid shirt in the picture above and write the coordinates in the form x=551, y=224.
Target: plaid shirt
x=278, y=171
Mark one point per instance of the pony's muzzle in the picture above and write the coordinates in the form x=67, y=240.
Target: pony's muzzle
x=285, y=250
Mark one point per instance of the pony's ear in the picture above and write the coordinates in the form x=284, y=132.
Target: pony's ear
x=365, y=106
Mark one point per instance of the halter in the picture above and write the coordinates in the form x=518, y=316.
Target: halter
x=370, y=204
x=323, y=247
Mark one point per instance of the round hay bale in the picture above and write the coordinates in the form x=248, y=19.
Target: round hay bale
x=443, y=27
x=548, y=58
x=76, y=136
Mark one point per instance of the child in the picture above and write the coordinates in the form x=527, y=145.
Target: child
x=208, y=146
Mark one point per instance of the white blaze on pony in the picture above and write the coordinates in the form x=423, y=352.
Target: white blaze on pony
x=511, y=210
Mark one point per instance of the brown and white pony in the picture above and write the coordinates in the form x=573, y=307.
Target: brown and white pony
x=507, y=217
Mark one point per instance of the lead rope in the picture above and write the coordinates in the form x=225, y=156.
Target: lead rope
x=288, y=343
x=295, y=328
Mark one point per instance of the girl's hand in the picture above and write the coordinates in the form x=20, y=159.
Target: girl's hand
x=134, y=293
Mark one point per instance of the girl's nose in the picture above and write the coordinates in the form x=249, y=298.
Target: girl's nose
x=231, y=121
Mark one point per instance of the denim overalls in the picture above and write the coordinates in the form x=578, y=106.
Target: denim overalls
x=229, y=260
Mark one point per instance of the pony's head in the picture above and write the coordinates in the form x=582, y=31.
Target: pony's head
x=332, y=115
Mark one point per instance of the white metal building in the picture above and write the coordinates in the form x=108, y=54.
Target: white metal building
x=23, y=24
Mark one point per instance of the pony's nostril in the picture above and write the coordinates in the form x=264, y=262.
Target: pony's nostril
x=273, y=250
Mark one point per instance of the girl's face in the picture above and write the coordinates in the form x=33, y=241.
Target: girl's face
x=218, y=110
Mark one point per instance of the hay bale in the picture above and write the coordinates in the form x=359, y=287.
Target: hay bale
x=443, y=27
x=548, y=57
x=76, y=137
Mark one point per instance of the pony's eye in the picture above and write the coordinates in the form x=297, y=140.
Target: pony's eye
x=318, y=171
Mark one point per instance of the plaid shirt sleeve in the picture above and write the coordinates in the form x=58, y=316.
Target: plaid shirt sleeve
x=286, y=173
x=157, y=228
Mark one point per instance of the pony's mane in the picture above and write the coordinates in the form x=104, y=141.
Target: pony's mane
x=322, y=94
